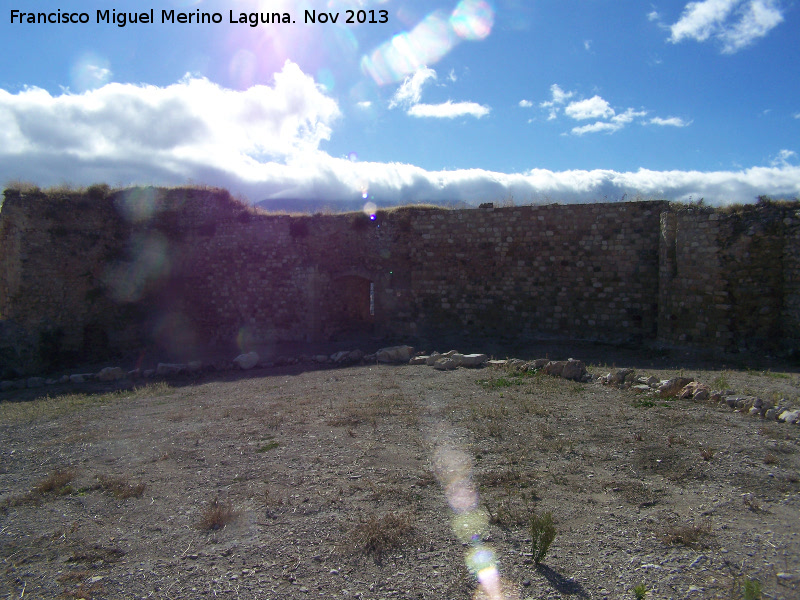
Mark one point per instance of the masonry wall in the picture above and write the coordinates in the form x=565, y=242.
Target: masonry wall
x=186, y=270
x=730, y=279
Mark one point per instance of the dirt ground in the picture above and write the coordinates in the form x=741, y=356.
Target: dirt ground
x=384, y=482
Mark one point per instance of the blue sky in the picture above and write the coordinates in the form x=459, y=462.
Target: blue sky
x=453, y=101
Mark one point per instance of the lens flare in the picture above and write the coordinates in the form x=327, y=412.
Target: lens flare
x=472, y=19
x=428, y=42
x=369, y=209
x=246, y=340
x=138, y=205
x=453, y=469
x=352, y=157
x=409, y=51
x=128, y=281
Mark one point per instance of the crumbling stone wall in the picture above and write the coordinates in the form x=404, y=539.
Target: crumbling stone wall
x=729, y=279
x=181, y=270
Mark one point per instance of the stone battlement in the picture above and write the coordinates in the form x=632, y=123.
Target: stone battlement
x=104, y=272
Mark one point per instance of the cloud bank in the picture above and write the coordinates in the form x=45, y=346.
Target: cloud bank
x=264, y=143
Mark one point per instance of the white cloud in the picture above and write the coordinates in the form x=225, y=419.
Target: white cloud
x=410, y=92
x=593, y=108
x=735, y=23
x=669, y=122
x=600, y=126
x=409, y=95
x=263, y=143
x=449, y=110
x=653, y=16
x=607, y=120
x=364, y=104
x=784, y=158
x=525, y=103
x=191, y=122
x=587, y=45
x=628, y=116
x=759, y=18
x=559, y=96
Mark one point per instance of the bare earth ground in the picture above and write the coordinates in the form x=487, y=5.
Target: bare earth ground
x=345, y=483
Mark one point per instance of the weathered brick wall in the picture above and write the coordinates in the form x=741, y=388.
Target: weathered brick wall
x=179, y=270
x=586, y=271
x=729, y=278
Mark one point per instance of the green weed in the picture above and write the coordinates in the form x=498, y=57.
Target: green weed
x=543, y=532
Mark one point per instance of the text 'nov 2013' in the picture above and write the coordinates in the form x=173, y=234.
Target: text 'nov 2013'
x=197, y=17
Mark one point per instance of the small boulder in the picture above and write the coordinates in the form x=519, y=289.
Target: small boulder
x=695, y=390
x=620, y=376
x=110, y=374
x=673, y=387
x=419, y=360
x=80, y=377
x=789, y=416
x=574, y=370
x=540, y=363
x=247, y=361
x=340, y=357
x=445, y=364
x=355, y=355
x=6, y=385
x=431, y=360
x=395, y=355
x=555, y=368
x=194, y=366
x=473, y=360
x=166, y=369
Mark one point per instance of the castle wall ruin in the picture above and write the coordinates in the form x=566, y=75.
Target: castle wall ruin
x=96, y=273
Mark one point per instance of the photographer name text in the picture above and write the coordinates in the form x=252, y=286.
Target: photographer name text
x=197, y=17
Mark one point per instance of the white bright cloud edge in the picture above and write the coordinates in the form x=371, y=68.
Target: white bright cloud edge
x=264, y=143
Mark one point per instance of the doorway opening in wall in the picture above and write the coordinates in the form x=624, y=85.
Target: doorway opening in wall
x=348, y=308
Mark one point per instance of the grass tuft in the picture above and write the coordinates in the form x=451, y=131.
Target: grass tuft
x=56, y=483
x=120, y=488
x=268, y=446
x=691, y=536
x=216, y=516
x=543, y=532
x=378, y=535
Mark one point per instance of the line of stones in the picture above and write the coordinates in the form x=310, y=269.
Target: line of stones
x=575, y=370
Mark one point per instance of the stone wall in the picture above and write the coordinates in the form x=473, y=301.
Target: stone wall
x=729, y=279
x=178, y=271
